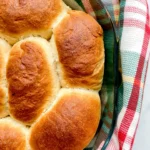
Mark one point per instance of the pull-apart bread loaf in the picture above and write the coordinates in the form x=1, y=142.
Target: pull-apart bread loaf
x=51, y=70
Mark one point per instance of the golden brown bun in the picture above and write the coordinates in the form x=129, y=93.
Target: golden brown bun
x=4, y=52
x=69, y=124
x=12, y=135
x=23, y=18
x=79, y=44
x=32, y=79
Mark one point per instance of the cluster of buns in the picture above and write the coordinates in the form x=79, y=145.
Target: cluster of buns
x=51, y=69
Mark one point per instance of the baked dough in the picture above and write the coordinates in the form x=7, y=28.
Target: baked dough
x=51, y=70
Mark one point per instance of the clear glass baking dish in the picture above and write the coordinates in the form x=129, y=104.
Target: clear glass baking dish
x=112, y=78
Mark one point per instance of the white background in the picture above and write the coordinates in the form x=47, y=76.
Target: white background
x=142, y=138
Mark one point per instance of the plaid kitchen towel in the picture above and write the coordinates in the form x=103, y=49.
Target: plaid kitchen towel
x=134, y=52
x=134, y=33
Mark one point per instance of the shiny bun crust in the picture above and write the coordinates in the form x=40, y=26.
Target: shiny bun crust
x=69, y=124
x=22, y=18
x=79, y=44
x=32, y=79
x=51, y=70
x=12, y=135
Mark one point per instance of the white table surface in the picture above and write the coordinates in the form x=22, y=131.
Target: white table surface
x=142, y=138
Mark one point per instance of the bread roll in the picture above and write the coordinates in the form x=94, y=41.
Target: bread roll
x=69, y=124
x=50, y=76
x=20, y=19
x=78, y=40
x=32, y=79
x=4, y=52
x=12, y=135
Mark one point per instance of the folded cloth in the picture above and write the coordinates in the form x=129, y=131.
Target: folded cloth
x=134, y=32
x=135, y=35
